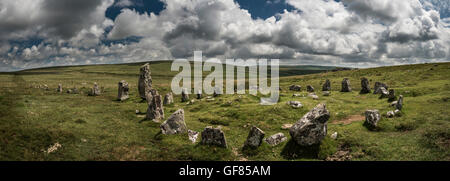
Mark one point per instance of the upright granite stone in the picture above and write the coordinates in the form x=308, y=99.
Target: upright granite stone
x=254, y=138
x=326, y=86
x=184, y=95
x=199, y=94
x=399, y=104
x=150, y=94
x=365, y=87
x=123, y=91
x=175, y=124
x=295, y=88
x=309, y=88
x=95, y=91
x=372, y=117
x=155, y=109
x=377, y=87
x=145, y=81
x=312, y=127
x=60, y=89
x=346, y=85
x=214, y=136
x=275, y=139
x=168, y=98
x=391, y=95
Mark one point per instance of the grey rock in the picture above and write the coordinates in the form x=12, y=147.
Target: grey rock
x=214, y=136
x=346, y=87
x=312, y=127
x=168, y=98
x=60, y=89
x=390, y=114
x=377, y=87
x=326, y=86
x=184, y=95
x=145, y=81
x=193, y=135
x=399, y=104
x=286, y=126
x=313, y=96
x=326, y=93
x=334, y=135
x=175, y=124
x=365, y=87
x=309, y=88
x=155, y=109
x=396, y=112
x=295, y=104
x=95, y=91
x=199, y=94
x=150, y=94
x=391, y=95
x=393, y=103
x=123, y=91
x=295, y=88
x=275, y=139
x=254, y=138
x=384, y=93
x=372, y=117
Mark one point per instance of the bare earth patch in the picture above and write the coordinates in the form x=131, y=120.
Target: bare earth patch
x=348, y=119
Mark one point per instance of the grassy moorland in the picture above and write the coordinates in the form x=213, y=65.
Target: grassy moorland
x=100, y=128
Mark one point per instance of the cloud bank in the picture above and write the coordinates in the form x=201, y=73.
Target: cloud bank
x=358, y=33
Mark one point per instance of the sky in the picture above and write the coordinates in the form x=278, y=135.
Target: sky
x=352, y=33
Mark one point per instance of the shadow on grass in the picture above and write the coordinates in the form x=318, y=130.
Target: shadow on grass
x=294, y=151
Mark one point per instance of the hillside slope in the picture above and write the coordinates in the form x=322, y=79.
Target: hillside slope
x=32, y=119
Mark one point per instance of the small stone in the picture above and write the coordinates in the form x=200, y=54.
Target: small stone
x=390, y=114
x=60, y=89
x=199, y=94
x=313, y=96
x=168, y=98
x=275, y=139
x=391, y=95
x=184, y=95
x=399, y=104
x=296, y=95
x=377, y=87
x=396, y=112
x=193, y=135
x=393, y=103
x=309, y=88
x=326, y=86
x=175, y=124
x=384, y=93
x=334, y=135
x=295, y=88
x=326, y=93
x=295, y=104
x=286, y=126
x=95, y=91
x=254, y=138
x=138, y=112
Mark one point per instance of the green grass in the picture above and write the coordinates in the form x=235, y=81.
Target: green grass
x=101, y=128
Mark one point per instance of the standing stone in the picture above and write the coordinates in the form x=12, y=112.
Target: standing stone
x=199, y=94
x=60, y=89
x=372, y=117
x=123, y=91
x=377, y=87
x=145, y=81
x=275, y=139
x=95, y=91
x=295, y=88
x=390, y=114
x=391, y=95
x=346, y=85
x=365, y=87
x=155, y=109
x=214, y=136
x=168, y=98
x=193, y=135
x=175, y=124
x=150, y=94
x=309, y=88
x=254, y=138
x=399, y=104
x=384, y=93
x=312, y=127
x=326, y=86
x=184, y=95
